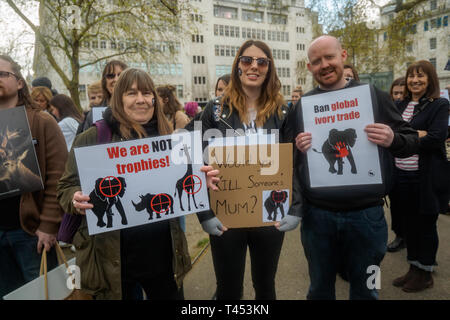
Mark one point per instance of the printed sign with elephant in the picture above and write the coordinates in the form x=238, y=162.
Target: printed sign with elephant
x=341, y=154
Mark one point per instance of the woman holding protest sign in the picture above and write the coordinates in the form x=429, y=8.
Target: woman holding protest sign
x=422, y=185
x=252, y=101
x=113, y=263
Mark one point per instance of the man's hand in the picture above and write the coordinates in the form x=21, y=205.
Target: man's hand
x=303, y=141
x=80, y=202
x=211, y=179
x=422, y=133
x=380, y=134
x=46, y=240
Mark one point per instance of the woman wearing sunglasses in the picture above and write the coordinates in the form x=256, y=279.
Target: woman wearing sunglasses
x=110, y=75
x=251, y=101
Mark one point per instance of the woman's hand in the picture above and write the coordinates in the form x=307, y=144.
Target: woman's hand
x=211, y=179
x=45, y=239
x=80, y=202
x=303, y=141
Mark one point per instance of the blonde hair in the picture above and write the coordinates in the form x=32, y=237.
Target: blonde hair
x=44, y=91
x=270, y=100
x=95, y=87
x=144, y=83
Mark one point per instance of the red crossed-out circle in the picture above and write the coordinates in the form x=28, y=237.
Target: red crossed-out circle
x=190, y=182
x=276, y=196
x=161, y=202
x=110, y=187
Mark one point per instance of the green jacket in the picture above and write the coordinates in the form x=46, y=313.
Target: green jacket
x=98, y=256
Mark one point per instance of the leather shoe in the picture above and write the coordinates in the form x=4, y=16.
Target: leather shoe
x=401, y=281
x=420, y=282
x=396, y=245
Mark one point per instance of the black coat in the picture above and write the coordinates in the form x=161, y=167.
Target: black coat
x=350, y=198
x=431, y=115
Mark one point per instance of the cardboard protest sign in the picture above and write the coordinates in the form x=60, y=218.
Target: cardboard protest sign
x=341, y=154
x=19, y=168
x=247, y=197
x=142, y=181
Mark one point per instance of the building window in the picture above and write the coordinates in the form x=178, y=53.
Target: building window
x=445, y=21
x=180, y=91
x=433, y=62
x=222, y=69
x=82, y=92
x=94, y=44
x=433, y=43
x=255, y=16
x=433, y=4
x=277, y=18
x=216, y=30
x=225, y=12
x=425, y=26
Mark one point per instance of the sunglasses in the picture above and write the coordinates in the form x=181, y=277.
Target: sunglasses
x=6, y=74
x=111, y=76
x=247, y=61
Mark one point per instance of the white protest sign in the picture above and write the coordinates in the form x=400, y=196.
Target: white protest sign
x=142, y=181
x=444, y=94
x=341, y=154
x=97, y=113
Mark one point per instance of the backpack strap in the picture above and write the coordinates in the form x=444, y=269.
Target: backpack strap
x=104, y=133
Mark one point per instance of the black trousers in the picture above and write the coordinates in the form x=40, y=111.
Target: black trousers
x=397, y=214
x=422, y=239
x=229, y=252
x=156, y=287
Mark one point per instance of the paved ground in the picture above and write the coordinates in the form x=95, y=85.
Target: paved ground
x=292, y=280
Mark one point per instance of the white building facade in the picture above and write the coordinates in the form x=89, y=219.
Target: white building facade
x=209, y=53
x=430, y=36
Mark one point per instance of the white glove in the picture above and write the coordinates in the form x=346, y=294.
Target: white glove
x=213, y=226
x=289, y=223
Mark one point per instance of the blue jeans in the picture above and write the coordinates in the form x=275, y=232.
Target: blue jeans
x=355, y=238
x=19, y=260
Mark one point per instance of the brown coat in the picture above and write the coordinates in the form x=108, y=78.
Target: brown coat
x=98, y=256
x=40, y=209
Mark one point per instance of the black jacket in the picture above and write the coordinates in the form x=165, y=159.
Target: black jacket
x=229, y=124
x=431, y=115
x=359, y=197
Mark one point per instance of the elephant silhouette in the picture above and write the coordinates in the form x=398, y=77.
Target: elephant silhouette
x=106, y=194
x=337, y=147
x=275, y=201
x=155, y=203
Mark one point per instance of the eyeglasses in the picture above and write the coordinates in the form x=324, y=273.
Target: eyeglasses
x=247, y=61
x=6, y=74
x=111, y=76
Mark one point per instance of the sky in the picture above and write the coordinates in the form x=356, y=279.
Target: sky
x=13, y=28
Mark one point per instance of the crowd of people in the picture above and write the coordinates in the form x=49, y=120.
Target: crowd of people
x=343, y=229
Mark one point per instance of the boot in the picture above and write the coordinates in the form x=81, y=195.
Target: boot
x=400, y=282
x=422, y=281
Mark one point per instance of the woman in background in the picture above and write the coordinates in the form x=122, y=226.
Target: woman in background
x=42, y=97
x=68, y=116
x=172, y=107
x=422, y=180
